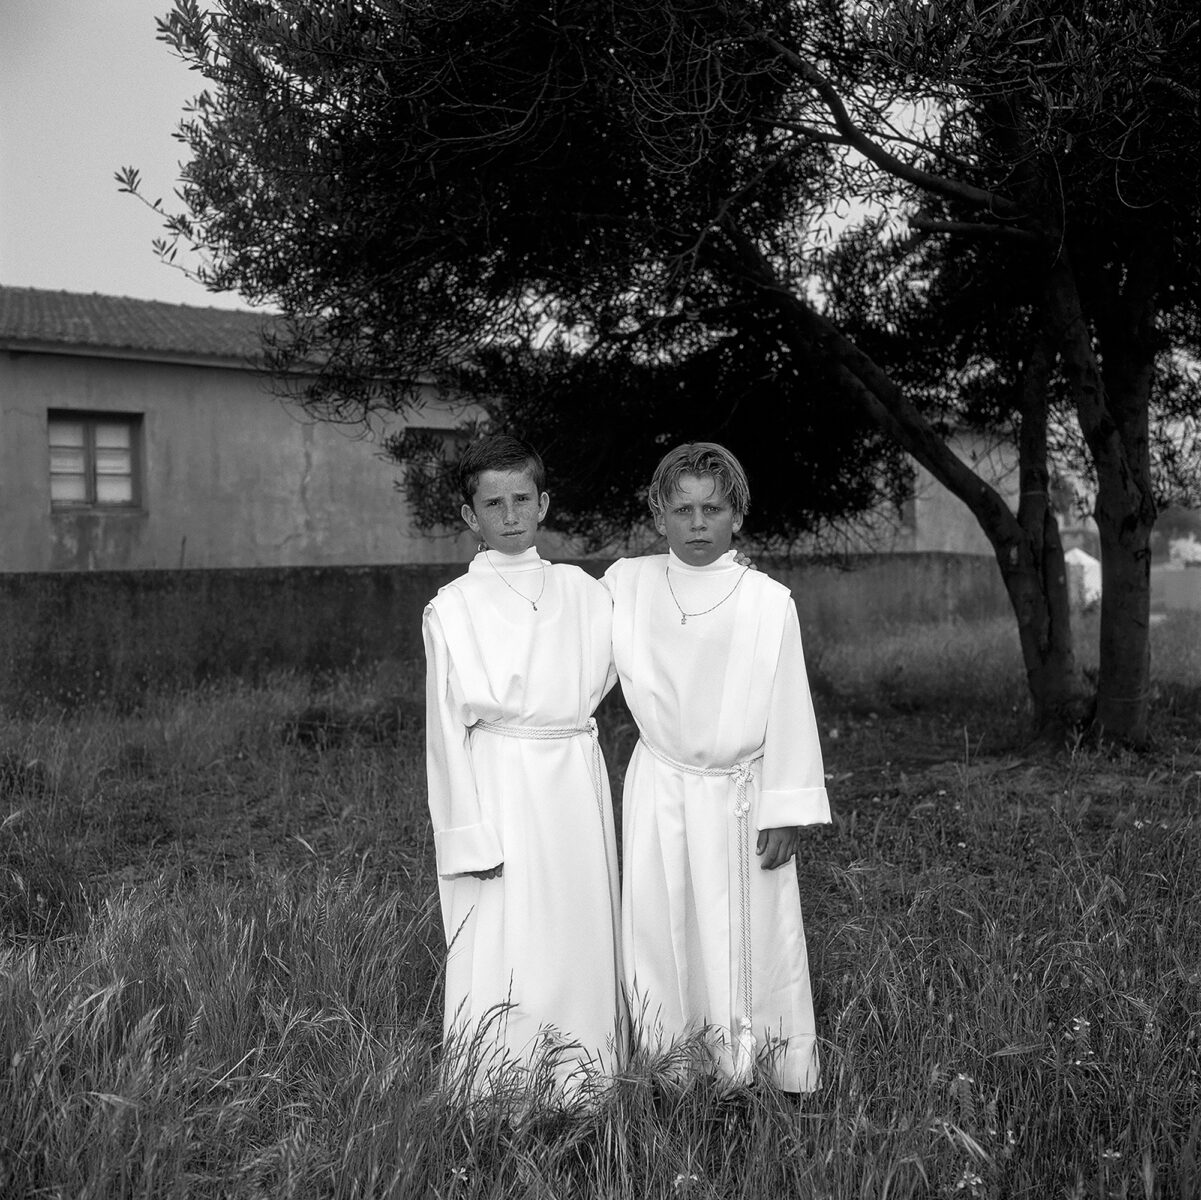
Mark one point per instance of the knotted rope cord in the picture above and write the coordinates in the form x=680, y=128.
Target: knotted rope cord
x=742, y=773
x=547, y=733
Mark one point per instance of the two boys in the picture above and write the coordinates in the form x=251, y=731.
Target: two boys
x=727, y=766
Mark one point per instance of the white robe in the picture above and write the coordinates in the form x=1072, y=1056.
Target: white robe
x=532, y=959
x=724, y=688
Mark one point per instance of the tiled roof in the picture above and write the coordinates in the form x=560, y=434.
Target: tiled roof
x=43, y=319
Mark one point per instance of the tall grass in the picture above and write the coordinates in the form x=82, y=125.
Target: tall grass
x=916, y=667
x=231, y=984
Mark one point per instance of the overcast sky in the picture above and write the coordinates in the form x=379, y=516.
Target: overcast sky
x=85, y=88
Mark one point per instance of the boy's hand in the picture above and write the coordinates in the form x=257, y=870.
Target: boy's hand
x=490, y=873
x=743, y=561
x=777, y=846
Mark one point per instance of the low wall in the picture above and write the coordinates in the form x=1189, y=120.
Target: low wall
x=70, y=637
x=1181, y=588
x=867, y=591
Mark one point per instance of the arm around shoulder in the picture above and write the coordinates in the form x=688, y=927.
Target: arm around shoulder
x=613, y=573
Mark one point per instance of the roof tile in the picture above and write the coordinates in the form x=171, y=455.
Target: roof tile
x=79, y=321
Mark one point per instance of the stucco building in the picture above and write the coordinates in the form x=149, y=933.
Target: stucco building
x=136, y=434
x=139, y=435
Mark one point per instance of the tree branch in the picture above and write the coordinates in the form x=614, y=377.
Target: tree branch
x=1102, y=431
x=822, y=135
x=974, y=229
x=871, y=150
x=809, y=131
x=884, y=402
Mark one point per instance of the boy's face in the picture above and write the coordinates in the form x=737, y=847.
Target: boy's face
x=698, y=520
x=506, y=510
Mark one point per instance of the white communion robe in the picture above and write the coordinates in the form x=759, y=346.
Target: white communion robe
x=710, y=939
x=532, y=962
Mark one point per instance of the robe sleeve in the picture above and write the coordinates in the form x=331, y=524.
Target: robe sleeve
x=794, y=782
x=463, y=839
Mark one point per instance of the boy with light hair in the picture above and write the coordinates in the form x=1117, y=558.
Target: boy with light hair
x=726, y=768
x=517, y=659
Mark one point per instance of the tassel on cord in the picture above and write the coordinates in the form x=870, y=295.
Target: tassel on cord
x=744, y=1052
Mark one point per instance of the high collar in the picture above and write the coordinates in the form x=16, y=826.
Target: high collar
x=724, y=563
x=494, y=560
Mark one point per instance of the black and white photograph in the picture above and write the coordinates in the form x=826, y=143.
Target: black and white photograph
x=600, y=600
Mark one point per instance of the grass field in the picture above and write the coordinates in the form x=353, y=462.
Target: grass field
x=220, y=955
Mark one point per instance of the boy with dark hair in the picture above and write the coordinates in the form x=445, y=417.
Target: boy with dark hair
x=518, y=657
x=727, y=767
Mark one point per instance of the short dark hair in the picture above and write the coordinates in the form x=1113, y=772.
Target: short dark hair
x=700, y=458
x=498, y=452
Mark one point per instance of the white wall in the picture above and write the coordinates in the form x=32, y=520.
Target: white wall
x=232, y=475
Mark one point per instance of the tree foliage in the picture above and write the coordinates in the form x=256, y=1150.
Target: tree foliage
x=412, y=181
x=604, y=423
x=433, y=185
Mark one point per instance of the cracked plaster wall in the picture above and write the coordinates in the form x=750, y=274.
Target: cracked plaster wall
x=232, y=477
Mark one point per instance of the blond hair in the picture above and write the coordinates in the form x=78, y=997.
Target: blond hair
x=699, y=458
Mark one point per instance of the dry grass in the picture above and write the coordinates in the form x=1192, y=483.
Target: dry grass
x=219, y=973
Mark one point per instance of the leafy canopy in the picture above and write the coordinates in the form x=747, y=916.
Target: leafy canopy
x=433, y=186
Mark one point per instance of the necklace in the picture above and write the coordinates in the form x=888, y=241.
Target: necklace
x=532, y=603
x=685, y=615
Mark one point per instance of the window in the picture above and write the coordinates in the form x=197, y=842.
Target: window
x=94, y=460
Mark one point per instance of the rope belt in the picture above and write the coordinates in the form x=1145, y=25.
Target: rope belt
x=742, y=773
x=554, y=733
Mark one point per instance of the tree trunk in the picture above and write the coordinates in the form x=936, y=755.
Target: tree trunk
x=1124, y=674
x=1113, y=409
x=1027, y=545
x=1125, y=515
x=1033, y=565
x=1038, y=593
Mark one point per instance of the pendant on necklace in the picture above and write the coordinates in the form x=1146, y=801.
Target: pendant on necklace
x=683, y=618
x=534, y=606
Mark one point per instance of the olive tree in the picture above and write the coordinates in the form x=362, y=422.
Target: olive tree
x=424, y=185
